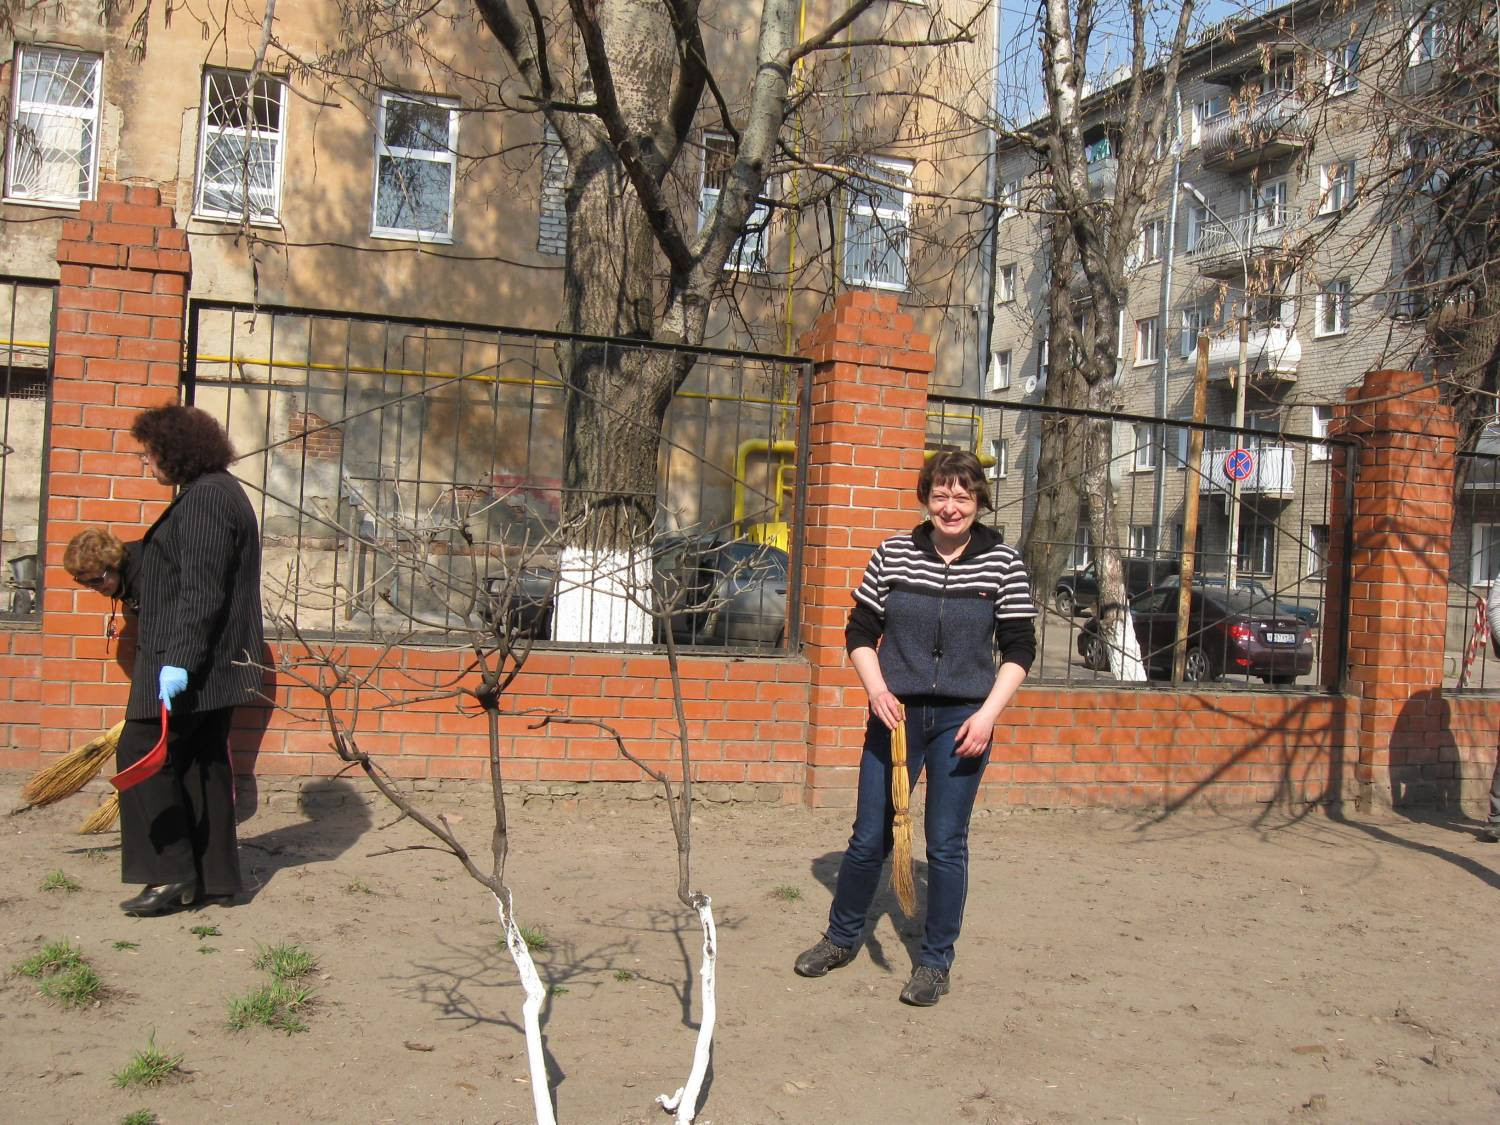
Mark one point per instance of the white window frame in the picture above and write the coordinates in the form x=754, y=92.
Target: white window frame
x=1335, y=186
x=1142, y=540
x=1322, y=418
x=1198, y=218
x=893, y=222
x=1341, y=71
x=1005, y=283
x=82, y=119
x=1043, y=361
x=1150, y=241
x=448, y=156
x=1000, y=451
x=268, y=213
x=1484, y=554
x=1333, y=297
x=1205, y=110
x=1010, y=199
x=1424, y=38
x=1192, y=320
x=1000, y=370
x=1273, y=204
x=1147, y=340
x=748, y=255
x=1318, y=534
x=1143, y=458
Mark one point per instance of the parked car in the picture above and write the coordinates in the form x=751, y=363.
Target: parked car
x=1307, y=614
x=720, y=592
x=1080, y=590
x=1228, y=632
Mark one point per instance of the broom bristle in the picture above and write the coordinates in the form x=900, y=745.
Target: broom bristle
x=902, y=880
x=73, y=771
x=103, y=818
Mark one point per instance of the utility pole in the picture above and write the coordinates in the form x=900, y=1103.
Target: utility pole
x=1232, y=577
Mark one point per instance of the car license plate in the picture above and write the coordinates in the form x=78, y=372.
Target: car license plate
x=1281, y=638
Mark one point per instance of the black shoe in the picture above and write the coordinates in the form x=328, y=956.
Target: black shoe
x=817, y=961
x=927, y=986
x=1490, y=834
x=162, y=899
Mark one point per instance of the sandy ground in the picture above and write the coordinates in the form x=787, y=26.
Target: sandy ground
x=1114, y=968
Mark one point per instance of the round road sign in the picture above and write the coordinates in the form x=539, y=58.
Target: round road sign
x=1239, y=464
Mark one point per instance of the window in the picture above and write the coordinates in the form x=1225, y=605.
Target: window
x=1000, y=451
x=1343, y=68
x=1010, y=199
x=875, y=228
x=1151, y=240
x=1005, y=283
x=1336, y=184
x=1272, y=205
x=1082, y=552
x=552, y=222
x=1321, y=417
x=1317, y=550
x=1043, y=361
x=1333, y=308
x=1424, y=39
x=1145, y=446
x=1142, y=539
x=1203, y=112
x=1484, y=556
x=54, y=126
x=749, y=251
x=1195, y=319
x=240, y=147
x=1000, y=370
x=1257, y=544
x=415, y=155
x=1147, y=340
x=1101, y=148
x=1198, y=219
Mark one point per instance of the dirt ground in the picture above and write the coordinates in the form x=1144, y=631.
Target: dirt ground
x=1114, y=968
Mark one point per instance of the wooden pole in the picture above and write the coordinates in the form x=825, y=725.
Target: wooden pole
x=1190, y=509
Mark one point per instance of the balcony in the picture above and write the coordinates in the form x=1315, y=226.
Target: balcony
x=1103, y=173
x=1271, y=479
x=1271, y=126
x=1272, y=354
x=1221, y=248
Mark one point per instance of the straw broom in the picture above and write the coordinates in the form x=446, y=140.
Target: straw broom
x=101, y=819
x=73, y=771
x=902, y=881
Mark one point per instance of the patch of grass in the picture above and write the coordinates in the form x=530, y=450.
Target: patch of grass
x=273, y=1005
x=140, y=1117
x=786, y=892
x=359, y=887
x=149, y=1067
x=95, y=855
x=536, y=939
x=207, y=949
x=123, y=944
x=558, y=990
x=623, y=975
x=74, y=987
x=285, y=962
x=57, y=880
x=205, y=931
x=53, y=957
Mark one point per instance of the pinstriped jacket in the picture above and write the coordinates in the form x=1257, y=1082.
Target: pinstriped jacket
x=199, y=591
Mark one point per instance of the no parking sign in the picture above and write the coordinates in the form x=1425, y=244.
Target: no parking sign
x=1239, y=464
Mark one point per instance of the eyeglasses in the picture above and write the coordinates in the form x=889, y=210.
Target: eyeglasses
x=96, y=581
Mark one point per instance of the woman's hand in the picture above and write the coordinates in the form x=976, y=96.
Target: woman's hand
x=973, y=738
x=887, y=708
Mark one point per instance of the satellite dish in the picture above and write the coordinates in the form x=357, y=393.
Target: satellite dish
x=1029, y=386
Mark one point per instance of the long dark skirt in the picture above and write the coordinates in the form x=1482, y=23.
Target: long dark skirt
x=179, y=825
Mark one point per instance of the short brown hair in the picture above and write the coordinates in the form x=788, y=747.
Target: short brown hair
x=955, y=467
x=93, y=551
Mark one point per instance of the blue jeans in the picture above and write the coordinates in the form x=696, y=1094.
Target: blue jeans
x=952, y=783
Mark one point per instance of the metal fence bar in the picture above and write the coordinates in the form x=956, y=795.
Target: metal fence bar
x=28, y=320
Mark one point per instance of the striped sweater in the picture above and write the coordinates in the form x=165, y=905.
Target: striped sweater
x=938, y=625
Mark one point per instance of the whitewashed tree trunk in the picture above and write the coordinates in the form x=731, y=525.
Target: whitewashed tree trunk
x=685, y=1100
x=531, y=1010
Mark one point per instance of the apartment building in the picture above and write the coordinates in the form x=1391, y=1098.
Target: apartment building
x=413, y=185
x=1262, y=211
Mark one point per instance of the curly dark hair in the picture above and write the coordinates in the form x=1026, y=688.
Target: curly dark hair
x=186, y=442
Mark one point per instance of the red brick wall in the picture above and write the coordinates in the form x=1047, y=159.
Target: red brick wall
x=761, y=728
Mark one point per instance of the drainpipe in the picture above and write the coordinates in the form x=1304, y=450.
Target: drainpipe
x=1159, y=504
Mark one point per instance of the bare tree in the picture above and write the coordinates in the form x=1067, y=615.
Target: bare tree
x=1093, y=228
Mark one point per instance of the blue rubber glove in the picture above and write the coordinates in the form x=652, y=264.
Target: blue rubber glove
x=172, y=681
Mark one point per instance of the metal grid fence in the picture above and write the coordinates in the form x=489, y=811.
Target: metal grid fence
x=26, y=335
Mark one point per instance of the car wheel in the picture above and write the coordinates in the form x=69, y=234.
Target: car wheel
x=1065, y=603
x=1197, y=668
x=1095, y=655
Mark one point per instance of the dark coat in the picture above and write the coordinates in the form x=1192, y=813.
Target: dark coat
x=199, y=591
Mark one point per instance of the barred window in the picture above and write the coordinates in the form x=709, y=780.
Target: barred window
x=53, y=154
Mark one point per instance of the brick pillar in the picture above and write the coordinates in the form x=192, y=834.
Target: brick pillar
x=1402, y=522
x=868, y=429
x=121, y=305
